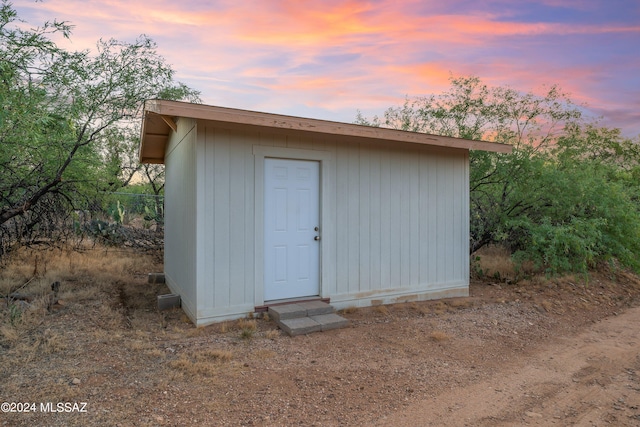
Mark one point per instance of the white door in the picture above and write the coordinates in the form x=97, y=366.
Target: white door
x=291, y=228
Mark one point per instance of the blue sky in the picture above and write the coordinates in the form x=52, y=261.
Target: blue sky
x=329, y=59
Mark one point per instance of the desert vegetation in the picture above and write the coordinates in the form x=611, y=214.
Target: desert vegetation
x=69, y=130
x=566, y=199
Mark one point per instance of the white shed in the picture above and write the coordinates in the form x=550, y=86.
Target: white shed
x=263, y=208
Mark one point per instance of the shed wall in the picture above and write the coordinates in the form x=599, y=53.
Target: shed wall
x=402, y=218
x=394, y=220
x=180, y=215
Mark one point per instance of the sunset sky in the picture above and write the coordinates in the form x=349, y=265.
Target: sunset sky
x=328, y=59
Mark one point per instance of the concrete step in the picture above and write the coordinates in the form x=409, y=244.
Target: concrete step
x=306, y=317
x=330, y=321
x=299, y=309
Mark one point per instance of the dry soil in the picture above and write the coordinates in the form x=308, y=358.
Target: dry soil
x=548, y=352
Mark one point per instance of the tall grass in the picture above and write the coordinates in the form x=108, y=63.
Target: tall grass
x=89, y=275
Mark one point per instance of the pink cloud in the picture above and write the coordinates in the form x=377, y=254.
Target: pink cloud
x=340, y=54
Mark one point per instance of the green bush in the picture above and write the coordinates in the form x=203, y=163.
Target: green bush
x=566, y=198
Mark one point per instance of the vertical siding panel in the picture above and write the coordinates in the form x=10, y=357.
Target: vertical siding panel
x=451, y=215
x=454, y=270
x=424, y=217
x=237, y=227
x=375, y=206
x=385, y=220
x=441, y=219
x=466, y=211
x=298, y=142
x=414, y=218
x=365, y=218
x=328, y=206
x=436, y=218
x=432, y=229
x=405, y=219
x=205, y=217
x=188, y=214
x=461, y=252
x=437, y=201
x=249, y=222
x=266, y=139
x=395, y=217
x=353, y=228
x=221, y=218
x=323, y=144
x=279, y=140
x=430, y=217
x=271, y=140
x=343, y=259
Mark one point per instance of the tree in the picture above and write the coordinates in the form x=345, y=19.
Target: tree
x=65, y=115
x=500, y=184
x=566, y=193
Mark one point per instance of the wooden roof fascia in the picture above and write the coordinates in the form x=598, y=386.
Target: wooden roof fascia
x=171, y=109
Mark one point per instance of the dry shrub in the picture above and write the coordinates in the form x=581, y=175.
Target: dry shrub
x=138, y=345
x=495, y=263
x=249, y=324
x=421, y=308
x=547, y=305
x=100, y=335
x=440, y=308
x=70, y=264
x=87, y=275
x=18, y=268
x=264, y=354
x=570, y=280
x=349, y=310
x=108, y=318
x=155, y=353
x=381, y=309
x=438, y=336
x=204, y=363
x=187, y=366
x=223, y=327
x=461, y=303
x=9, y=334
x=197, y=331
x=52, y=342
x=247, y=327
x=213, y=355
x=272, y=334
x=20, y=324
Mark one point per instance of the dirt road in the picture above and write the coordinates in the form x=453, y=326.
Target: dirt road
x=591, y=379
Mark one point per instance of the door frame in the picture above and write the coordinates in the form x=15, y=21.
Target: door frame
x=325, y=159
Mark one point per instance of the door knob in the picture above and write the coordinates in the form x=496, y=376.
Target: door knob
x=316, y=238
x=316, y=229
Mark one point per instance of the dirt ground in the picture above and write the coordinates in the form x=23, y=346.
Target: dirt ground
x=543, y=352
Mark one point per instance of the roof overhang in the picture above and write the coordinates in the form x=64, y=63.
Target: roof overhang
x=160, y=116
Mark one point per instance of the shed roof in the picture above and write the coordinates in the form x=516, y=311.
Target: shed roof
x=160, y=116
